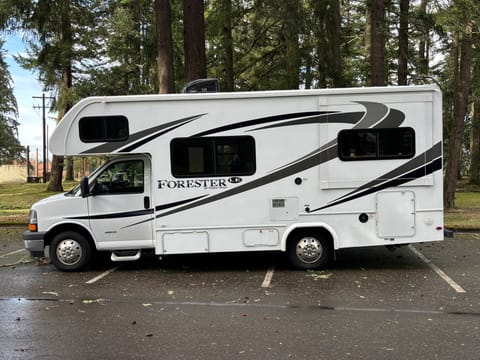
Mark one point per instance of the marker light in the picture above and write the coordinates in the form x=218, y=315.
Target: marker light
x=32, y=221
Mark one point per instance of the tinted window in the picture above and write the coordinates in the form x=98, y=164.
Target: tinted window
x=216, y=156
x=103, y=128
x=124, y=177
x=376, y=144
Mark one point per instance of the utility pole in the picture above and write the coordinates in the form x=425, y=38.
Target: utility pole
x=44, y=125
x=28, y=163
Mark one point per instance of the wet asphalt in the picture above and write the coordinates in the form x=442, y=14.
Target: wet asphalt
x=371, y=304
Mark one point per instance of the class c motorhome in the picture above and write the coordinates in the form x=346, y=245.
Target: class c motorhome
x=306, y=172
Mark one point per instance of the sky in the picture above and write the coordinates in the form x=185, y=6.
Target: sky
x=25, y=86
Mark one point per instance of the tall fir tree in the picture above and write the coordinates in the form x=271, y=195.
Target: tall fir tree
x=10, y=148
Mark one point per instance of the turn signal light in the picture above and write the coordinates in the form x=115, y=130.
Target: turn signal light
x=33, y=221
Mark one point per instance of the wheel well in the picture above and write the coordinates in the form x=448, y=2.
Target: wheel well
x=69, y=227
x=319, y=231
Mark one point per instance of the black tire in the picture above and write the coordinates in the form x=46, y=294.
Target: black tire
x=70, y=251
x=309, y=251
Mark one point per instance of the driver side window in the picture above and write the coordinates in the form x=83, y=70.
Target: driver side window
x=125, y=177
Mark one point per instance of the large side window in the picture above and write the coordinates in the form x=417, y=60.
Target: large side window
x=213, y=156
x=103, y=128
x=376, y=144
x=125, y=177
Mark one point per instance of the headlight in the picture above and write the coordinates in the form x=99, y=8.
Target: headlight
x=33, y=221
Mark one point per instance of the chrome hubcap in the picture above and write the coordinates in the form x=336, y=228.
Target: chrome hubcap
x=69, y=252
x=309, y=250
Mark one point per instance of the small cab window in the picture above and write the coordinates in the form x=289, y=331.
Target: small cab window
x=125, y=177
x=376, y=144
x=213, y=156
x=103, y=128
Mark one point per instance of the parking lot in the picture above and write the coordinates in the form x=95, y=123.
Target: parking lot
x=420, y=302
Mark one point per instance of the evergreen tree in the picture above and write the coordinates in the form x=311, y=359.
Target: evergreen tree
x=458, y=22
x=376, y=42
x=402, y=71
x=131, y=46
x=166, y=79
x=58, y=40
x=474, y=176
x=194, y=40
x=10, y=148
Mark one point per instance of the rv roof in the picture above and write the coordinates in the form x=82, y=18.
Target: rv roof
x=254, y=94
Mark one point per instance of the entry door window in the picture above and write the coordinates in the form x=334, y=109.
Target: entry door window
x=125, y=177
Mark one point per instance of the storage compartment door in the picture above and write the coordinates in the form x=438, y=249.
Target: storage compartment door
x=396, y=214
x=185, y=242
x=260, y=237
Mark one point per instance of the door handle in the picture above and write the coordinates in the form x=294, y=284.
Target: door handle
x=146, y=202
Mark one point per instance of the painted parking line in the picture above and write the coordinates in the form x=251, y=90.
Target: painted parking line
x=101, y=276
x=11, y=253
x=268, y=277
x=439, y=271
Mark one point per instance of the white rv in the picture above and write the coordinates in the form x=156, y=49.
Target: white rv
x=306, y=172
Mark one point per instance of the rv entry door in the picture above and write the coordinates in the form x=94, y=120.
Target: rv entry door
x=120, y=210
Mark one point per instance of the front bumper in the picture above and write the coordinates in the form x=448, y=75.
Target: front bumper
x=34, y=243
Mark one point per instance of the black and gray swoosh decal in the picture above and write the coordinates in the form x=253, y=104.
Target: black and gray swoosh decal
x=427, y=157
x=140, y=138
x=422, y=165
x=135, y=212
x=327, y=118
x=375, y=112
x=166, y=206
x=147, y=139
x=177, y=203
x=413, y=172
x=278, y=175
x=377, y=116
x=113, y=215
x=394, y=119
x=263, y=120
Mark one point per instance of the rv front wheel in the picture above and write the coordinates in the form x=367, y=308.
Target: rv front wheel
x=70, y=251
x=309, y=251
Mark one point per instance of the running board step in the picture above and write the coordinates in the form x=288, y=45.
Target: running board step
x=126, y=255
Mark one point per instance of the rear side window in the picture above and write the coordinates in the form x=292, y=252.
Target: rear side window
x=213, y=156
x=376, y=144
x=103, y=128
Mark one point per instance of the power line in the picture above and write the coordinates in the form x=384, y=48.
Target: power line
x=43, y=107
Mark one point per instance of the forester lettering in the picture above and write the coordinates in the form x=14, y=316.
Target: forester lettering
x=192, y=184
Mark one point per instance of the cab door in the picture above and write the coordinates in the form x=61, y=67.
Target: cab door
x=120, y=210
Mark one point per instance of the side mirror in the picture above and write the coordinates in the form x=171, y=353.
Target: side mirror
x=84, y=187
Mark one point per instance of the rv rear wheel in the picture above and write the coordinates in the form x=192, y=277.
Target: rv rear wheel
x=309, y=251
x=70, y=251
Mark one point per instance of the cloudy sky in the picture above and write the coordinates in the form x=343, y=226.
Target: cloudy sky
x=26, y=86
